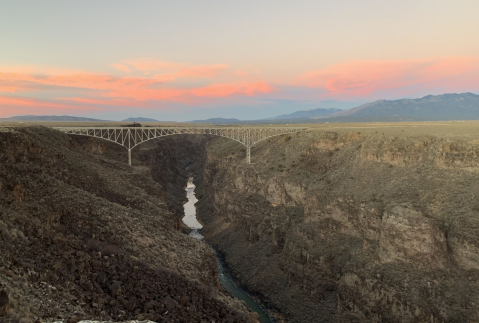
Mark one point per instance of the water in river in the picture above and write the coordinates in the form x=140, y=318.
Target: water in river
x=190, y=211
x=237, y=292
x=191, y=221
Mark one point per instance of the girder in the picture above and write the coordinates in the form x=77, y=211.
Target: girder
x=130, y=137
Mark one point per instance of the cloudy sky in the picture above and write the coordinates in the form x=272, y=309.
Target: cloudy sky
x=184, y=60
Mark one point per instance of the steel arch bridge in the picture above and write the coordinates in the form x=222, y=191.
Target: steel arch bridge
x=130, y=137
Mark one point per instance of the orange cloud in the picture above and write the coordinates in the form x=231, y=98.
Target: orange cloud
x=32, y=102
x=105, y=102
x=163, y=78
x=362, y=78
x=143, y=94
x=14, y=101
x=103, y=90
x=8, y=88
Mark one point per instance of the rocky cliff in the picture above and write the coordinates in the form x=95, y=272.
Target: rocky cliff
x=85, y=236
x=350, y=228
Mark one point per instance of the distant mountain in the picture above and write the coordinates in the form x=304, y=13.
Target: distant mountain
x=49, y=118
x=464, y=106
x=306, y=114
x=219, y=121
x=140, y=119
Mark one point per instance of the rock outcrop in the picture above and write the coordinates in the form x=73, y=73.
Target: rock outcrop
x=350, y=228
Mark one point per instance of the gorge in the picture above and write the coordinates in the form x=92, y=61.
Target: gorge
x=225, y=280
x=323, y=226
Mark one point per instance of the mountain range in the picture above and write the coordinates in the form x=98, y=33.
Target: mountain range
x=140, y=119
x=219, y=121
x=306, y=114
x=451, y=106
x=464, y=106
x=431, y=107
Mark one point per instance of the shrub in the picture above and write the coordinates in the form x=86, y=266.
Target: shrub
x=103, y=247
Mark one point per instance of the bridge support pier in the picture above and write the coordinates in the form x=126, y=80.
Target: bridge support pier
x=129, y=157
x=248, y=155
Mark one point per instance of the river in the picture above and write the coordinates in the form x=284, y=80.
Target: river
x=190, y=211
x=192, y=222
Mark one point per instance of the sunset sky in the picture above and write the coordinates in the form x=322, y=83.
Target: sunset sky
x=185, y=60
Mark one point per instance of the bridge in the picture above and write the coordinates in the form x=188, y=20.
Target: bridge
x=130, y=137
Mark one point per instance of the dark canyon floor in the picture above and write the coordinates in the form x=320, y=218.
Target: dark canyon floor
x=378, y=224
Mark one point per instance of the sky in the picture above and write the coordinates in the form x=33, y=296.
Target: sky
x=185, y=60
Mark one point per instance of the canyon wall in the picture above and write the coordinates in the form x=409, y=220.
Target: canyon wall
x=85, y=236
x=350, y=228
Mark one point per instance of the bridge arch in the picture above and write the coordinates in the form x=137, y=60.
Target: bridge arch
x=130, y=137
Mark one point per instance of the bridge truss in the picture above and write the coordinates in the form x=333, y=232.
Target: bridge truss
x=130, y=137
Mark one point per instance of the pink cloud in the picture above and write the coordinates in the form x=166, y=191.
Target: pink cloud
x=97, y=90
x=363, y=78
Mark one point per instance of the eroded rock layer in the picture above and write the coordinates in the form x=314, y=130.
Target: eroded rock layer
x=350, y=228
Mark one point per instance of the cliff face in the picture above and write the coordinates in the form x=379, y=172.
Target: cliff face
x=85, y=236
x=351, y=228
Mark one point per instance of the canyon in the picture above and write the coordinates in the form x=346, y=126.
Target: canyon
x=328, y=225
